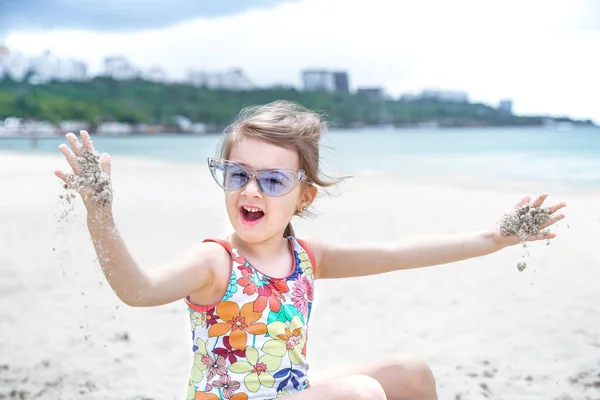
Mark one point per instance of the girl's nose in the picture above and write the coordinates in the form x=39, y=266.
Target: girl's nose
x=252, y=189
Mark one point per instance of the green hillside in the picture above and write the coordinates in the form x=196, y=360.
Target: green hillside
x=139, y=101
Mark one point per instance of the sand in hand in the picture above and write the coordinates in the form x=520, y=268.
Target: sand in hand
x=91, y=181
x=525, y=222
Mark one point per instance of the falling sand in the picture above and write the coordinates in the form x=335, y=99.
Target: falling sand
x=525, y=222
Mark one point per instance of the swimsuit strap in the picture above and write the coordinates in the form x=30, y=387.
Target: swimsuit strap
x=310, y=254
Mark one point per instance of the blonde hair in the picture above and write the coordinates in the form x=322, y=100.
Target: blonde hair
x=288, y=125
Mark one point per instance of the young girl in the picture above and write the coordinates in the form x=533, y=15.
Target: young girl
x=249, y=295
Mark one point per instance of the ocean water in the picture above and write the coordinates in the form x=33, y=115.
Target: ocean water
x=569, y=157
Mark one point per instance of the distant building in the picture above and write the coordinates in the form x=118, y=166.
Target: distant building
x=154, y=74
x=318, y=80
x=48, y=67
x=183, y=123
x=10, y=127
x=78, y=71
x=72, y=126
x=114, y=128
x=375, y=93
x=198, y=127
x=234, y=79
x=4, y=54
x=41, y=69
x=408, y=97
x=12, y=64
x=322, y=80
x=119, y=68
x=38, y=128
x=505, y=106
x=341, y=82
x=445, y=95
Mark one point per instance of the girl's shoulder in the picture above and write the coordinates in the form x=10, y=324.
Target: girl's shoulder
x=217, y=255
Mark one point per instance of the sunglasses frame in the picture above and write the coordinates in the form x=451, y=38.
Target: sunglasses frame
x=298, y=174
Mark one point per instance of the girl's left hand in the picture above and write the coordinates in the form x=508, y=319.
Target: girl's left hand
x=504, y=241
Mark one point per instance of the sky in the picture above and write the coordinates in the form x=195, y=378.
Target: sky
x=541, y=54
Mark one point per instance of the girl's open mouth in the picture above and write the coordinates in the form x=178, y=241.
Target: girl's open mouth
x=250, y=215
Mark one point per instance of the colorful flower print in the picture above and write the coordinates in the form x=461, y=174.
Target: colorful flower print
x=206, y=396
x=251, y=279
x=232, y=287
x=198, y=367
x=285, y=314
x=269, y=289
x=305, y=264
x=197, y=319
x=212, y=396
x=286, y=339
x=228, y=351
x=227, y=386
x=191, y=391
x=290, y=374
x=258, y=369
x=202, y=319
x=303, y=293
x=238, y=322
x=254, y=340
x=297, y=270
x=215, y=367
x=239, y=396
x=240, y=260
x=211, y=318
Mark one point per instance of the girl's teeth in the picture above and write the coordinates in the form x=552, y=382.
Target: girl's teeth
x=251, y=209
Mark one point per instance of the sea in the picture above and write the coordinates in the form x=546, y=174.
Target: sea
x=568, y=157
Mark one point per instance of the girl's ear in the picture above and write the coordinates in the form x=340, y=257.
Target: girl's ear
x=308, y=196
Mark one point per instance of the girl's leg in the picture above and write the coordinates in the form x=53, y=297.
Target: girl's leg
x=355, y=387
x=401, y=377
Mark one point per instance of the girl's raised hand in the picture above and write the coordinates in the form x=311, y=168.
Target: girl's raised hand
x=91, y=172
x=528, y=221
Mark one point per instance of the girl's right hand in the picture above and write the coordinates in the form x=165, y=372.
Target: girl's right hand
x=91, y=173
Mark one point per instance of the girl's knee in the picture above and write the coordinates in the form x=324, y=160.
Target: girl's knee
x=412, y=364
x=361, y=387
x=416, y=373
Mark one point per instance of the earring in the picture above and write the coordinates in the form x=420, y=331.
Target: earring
x=303, y=208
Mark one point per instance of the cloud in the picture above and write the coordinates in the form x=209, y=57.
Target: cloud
x=115, y=15
x=591, y=20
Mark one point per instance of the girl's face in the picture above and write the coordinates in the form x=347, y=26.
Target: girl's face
x=255, y=216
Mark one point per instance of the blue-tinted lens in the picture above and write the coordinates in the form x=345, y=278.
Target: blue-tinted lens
x=230, y=176
x=276, y=183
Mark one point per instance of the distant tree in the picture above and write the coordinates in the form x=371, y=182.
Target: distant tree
x=140, y=101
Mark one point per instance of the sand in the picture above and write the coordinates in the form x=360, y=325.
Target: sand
x=486, y=329
x=525, y=222
x=90, y=181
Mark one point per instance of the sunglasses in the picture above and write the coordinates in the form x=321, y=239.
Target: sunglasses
x=273, y=182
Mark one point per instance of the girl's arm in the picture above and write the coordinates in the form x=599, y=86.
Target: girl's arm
x=141, y=287
x=134, y=285
x=352, y=260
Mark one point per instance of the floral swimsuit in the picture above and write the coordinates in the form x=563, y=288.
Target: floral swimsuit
x=252, y=344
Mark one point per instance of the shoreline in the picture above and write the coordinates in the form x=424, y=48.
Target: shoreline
x=413, y=178
x=353, y=129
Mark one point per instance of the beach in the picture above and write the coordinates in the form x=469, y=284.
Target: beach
x=486, y=329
